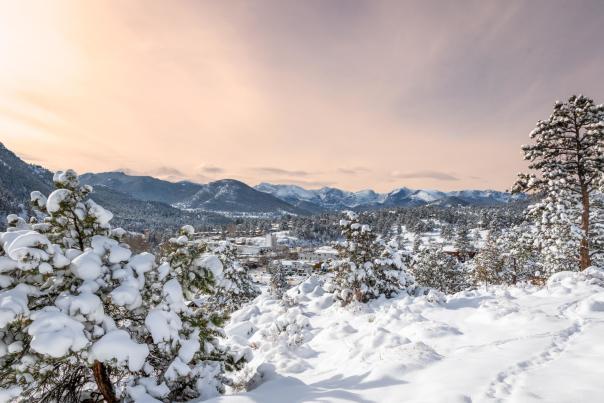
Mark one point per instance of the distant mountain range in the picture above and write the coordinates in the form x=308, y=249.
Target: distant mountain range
x=228, y=197
x=18, y=179
x=333, y=199
x=143, y=201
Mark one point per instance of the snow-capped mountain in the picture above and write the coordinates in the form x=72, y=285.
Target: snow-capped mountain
x=234, y=198
x=333, y=199
x=324, y=199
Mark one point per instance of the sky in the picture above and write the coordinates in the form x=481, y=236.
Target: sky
x=346, y=93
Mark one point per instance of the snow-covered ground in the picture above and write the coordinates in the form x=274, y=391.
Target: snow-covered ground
x=505, y=344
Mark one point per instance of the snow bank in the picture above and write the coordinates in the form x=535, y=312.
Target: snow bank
x=514, y=344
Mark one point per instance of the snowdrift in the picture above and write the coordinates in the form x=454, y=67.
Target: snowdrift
x=516, y=344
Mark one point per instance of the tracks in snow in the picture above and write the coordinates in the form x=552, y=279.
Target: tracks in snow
x=503, y=384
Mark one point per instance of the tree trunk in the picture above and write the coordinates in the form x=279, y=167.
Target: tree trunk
x=585, y=259
x=101, y=377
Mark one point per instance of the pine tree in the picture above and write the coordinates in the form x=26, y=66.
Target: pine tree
x=389, y=269
x=558, y=235
x=488, y=267
x=567, y=155
x=597, y=228
x=366, y=266
x=278, y=282
x=463, y=244
x=521, y=258
x=100, y=321
x=236, y=287
x=354, y=269
x=71, y=218
x=435, y=269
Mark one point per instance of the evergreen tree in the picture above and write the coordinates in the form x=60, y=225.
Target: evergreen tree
x=597, y=228
x=85, y=318
x=354, y=269
x=435, y=269
x=236, y=287
x=488, y=264
x=366, y=267
x=463, y=244
x=278, y=282
x=557, y=234
x=521, y=259
x=567, y=155
x=389, y=269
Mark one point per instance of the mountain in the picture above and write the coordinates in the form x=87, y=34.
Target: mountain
x=233, y=197
x=321, y=200
x=228, y=196
x=138, y=215
x=333, y=199
x=17, y=180
x=143, y=201
x=144, y=188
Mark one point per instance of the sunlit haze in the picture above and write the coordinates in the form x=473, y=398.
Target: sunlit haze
x=354, y=94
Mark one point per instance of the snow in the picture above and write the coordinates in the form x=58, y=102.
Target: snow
x=513, y=344
x=53, y=204
x=86, y=304
x=119, y=254
x=127, y=295
x=54, y=333
x=103, y=216
x=163, y=325
x=142, y=263
x=212, y=263
x=13, y=303
x=87, y=266
x=117, y=345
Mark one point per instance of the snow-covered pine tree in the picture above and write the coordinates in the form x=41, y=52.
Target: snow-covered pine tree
x=567, y=157
x=236, y=287
x=71, y=219
x=435, y=269
x=488, y=264
x=390, y=271
x=597, y=228
x=80, y=324
x=188, y=359
x=521, y=259
x=558, y=234
x=463, y=243
x=278, y=282
x=355, y=279
x=366, y=266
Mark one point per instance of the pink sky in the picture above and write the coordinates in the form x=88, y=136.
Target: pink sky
x=355, y=94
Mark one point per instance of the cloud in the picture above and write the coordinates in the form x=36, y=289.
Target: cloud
x=280, y=171
x=353, y=171
x=303, y=183
x=425, y=174
x=166, y=171
x=211, y=169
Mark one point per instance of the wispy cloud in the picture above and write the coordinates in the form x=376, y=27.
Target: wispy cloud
x=354, y=171
x=280, y=171
x=425, y=174
x=211, y=169
x=308, y=184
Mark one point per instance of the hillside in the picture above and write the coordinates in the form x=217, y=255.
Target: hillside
x=513, y=344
